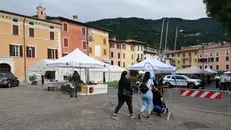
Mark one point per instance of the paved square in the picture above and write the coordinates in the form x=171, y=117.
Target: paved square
x=33, y=108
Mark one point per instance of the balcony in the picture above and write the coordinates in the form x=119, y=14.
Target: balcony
x=150, y=50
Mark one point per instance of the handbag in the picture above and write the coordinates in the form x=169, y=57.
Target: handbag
x=126, y=93
x=144, y=88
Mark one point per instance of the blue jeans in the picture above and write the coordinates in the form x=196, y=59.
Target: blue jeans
x=147, y=101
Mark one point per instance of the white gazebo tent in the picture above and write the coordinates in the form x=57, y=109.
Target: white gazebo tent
x=208, y=70
x=190, y=70
x=157, y=66
x=227, y=72
x=76, y=59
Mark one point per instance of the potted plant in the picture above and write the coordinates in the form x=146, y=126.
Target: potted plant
x=32, y=79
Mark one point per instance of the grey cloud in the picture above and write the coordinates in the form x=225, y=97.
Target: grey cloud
x=89, y=10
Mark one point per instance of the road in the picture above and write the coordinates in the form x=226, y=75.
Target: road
x=33, y=108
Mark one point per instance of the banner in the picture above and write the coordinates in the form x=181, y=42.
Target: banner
x=148, y=68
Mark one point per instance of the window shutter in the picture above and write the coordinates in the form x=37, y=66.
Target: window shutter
x=33, y=52
x=56, y=54
x=27, y=51
x=48, y=53
x=11, y=50
x=21, y=51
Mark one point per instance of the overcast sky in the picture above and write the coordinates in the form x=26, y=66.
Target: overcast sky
x=91, y=10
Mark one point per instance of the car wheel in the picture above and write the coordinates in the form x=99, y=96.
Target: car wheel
x=168, y=85
x=9, y=85
x=17, y=84
x=191, y=85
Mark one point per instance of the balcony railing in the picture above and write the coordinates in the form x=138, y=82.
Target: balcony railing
x=151, y=50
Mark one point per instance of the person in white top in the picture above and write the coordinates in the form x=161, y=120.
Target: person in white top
x=222, y=80
x=147, y=96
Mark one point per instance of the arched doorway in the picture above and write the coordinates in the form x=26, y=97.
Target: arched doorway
x=5, y=68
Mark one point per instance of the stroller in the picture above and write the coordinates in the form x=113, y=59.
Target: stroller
x=159, y=105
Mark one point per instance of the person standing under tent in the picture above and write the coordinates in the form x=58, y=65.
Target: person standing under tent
x=125, y=93
x=147, y=95
x=222, y=80
x=76, y=81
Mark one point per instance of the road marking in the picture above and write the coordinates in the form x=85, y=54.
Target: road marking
x=51, y=97
x=26, y=93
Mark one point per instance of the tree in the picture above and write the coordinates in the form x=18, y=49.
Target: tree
x=220, y=10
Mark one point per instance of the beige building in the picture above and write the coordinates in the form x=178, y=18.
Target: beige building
x=26, y=40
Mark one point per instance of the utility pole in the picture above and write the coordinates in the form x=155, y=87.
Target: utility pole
x=161, y=37
x=177, y=28
x=166, y=41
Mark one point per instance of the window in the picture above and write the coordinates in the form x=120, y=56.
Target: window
x=178, y=61
x=52, y=53
x=138, y=56
x=65, y=27
x=111, y=54
x=211, y=54
x=178, y=54
x=183, y=55
x=141, y=56
x=15, y=30
x=112, y=62
x=217, y=59
x=119, y=55
x=227, y=67
x=124, y=55
x=217, y=67
x=124, y=64
x=132, y=56
x=141, y=48
x=30, y=51
x=124, y=46
x=200, y=67
x=195, y=60
x=189, y=54
x=31, y=32
x=65, y=42
x=16, y=50
x=83, y=31
x=84, y=45
x=118, y=63
x=138, y=48
x=90, y=49
x=217, y=53
x=104, y=51
x=195, y=53
x=168, y=55
x=227, y=52
x=206, y=67
x=118, y=46
x=104, y=41
x=227, y=58
x=52, y=36
x=111, y=45
x=211, y=67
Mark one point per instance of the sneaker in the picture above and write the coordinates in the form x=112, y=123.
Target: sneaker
x=132, y=116
x=115, y=117
x=139, y=116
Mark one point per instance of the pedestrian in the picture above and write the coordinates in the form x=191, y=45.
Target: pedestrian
x=76, y=82
x=222, y=80
x=124, y=95
x=217, y=82
x=147, y=95
x=229, y=83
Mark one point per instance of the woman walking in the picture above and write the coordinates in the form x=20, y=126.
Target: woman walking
x=147, y=95
x=124, y=95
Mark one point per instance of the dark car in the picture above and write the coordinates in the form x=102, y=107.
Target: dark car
x=8, y=80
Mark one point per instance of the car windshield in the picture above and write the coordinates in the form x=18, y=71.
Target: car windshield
x=3, y=75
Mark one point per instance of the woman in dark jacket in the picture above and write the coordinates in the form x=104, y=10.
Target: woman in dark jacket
x=124, y=95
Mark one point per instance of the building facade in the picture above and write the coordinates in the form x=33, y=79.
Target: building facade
x=215, y=56
x=115, y=52
x=150, y=53
x=73, y=34
x=99, y=44
x=186, y=57
x=26, y=40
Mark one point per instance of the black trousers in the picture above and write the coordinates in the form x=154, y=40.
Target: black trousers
x=228, y=86
x=121, y=100
x=222, y=86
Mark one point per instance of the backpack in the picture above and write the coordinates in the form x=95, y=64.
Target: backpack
x=143, y=88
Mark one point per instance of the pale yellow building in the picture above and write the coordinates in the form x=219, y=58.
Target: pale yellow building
x=99, y=44
x=26, y=40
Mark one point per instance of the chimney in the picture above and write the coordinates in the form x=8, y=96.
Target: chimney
x=75, y=17
x=41, y=12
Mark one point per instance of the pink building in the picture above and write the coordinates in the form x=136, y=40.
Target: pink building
x=215, y=56
x=115, y=52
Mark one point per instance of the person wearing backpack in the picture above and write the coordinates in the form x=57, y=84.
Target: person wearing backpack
x=124, y=95
x=146, y=95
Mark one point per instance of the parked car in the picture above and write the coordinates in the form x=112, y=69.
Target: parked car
x=8, y=80
x=181, y=80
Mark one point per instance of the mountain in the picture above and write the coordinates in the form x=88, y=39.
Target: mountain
x=191, y=32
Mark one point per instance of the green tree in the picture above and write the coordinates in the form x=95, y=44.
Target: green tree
x=220, y=10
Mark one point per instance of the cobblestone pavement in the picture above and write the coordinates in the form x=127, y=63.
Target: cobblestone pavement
x=33, y=108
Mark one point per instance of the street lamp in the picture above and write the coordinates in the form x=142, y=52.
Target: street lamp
x=176, y=36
